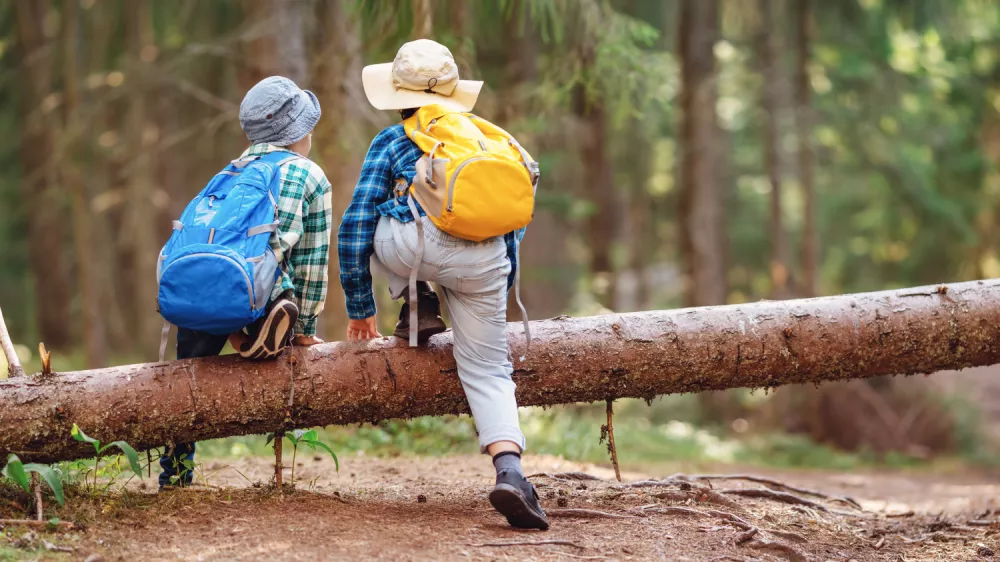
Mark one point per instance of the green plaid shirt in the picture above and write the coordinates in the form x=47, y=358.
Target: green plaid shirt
x=302, y=242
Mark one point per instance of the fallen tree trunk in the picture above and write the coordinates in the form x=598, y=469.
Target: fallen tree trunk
x=642, y=355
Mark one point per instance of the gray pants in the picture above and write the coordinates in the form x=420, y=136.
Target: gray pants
x=473, y=277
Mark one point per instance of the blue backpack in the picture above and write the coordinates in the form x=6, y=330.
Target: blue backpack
x=216, y=272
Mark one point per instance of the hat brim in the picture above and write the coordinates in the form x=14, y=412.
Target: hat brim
x=382, y=94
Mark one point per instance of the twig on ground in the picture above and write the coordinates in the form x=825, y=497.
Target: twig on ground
x=608, y=432
x=667, y=482
x=578, y=557
x=14, y=368
x=983, y=523
x=587, y=514
x=54, y=548
x=776, y=484
x=33, y=523
x=782, y=497
x=565, y=476
x=36, y=487
x=919, y=539
x=880, y=543
x=746, y=535
x=529, y=543
x=789, y=552
x=904, y=514
x=965, y=529
x=673, y=509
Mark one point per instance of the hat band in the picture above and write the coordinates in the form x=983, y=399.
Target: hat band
x=432, y=86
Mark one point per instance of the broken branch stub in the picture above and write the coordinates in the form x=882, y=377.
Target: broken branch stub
x=641, y=355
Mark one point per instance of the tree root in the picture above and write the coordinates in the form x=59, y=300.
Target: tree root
x=782, y=497
x=528, y=543
x=779, y=549
x=777, y=484
x=587, y=514
x=68, y=525
x=746, y=535
x=565, y=476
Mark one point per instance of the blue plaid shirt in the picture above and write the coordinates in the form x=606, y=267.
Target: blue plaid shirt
x=391, y=157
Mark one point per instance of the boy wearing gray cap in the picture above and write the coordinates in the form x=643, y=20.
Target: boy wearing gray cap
x=278, y=118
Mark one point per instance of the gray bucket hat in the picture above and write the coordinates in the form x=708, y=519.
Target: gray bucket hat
x=278, y=112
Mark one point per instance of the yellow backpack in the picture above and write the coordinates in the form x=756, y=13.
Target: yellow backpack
x=474, y=181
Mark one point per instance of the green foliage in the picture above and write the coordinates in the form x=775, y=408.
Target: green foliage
x=18, y=473
x=113, y=469
x=308, y=438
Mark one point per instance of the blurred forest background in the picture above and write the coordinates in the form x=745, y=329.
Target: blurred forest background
x=694, y=152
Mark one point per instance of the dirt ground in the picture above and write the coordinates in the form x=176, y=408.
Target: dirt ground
x=436, y=509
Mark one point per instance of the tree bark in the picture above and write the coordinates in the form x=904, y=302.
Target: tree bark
x=276, y=41
x=423, y=19
x=601, y=228
x=767, y=50
x=338, y=55
x=803, y=122
x=83, y=240
x=44, y=208
x=642, y=354
x=702, y=219
x=140, y=215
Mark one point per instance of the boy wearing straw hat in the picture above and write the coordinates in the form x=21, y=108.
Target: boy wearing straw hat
x=385, y=221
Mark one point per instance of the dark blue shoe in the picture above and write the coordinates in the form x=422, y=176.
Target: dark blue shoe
x=516, y=499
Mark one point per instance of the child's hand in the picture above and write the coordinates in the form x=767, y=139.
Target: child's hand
x=358, y=330
x=306, y=341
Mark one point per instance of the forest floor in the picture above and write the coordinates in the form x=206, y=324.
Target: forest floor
x=423, y=508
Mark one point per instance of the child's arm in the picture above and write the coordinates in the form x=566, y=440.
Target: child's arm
x=356, y=237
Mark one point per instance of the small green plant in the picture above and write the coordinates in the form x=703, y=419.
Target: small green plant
x=130, y=454
x=308, y=438
x=17, y=472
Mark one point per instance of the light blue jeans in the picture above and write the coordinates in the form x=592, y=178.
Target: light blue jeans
x=473, y=278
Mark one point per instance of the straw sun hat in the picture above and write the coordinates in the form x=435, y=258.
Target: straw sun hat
x=424, y=73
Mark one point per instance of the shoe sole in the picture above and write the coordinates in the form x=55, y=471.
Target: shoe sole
x=274, y=333
x=511, y=503
x=422, y=334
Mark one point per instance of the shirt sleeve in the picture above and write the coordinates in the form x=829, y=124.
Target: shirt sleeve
x=356, y=237
x=311, y=257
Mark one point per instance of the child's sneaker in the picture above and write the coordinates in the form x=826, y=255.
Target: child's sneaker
x=516, y=499
x=270, y=335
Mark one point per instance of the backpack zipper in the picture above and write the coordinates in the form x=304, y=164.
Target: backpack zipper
x=451, y=184
x=227, y=258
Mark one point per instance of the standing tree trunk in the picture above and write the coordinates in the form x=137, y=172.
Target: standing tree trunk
x=83, y=240
x=338, y=145
x=702, y=220
x=803, y=121
x=38, y=178
x=767, y=48
x=423, y=19
x=140, y=213
x=276, y=41
x=459, y=16
x=601, y=228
